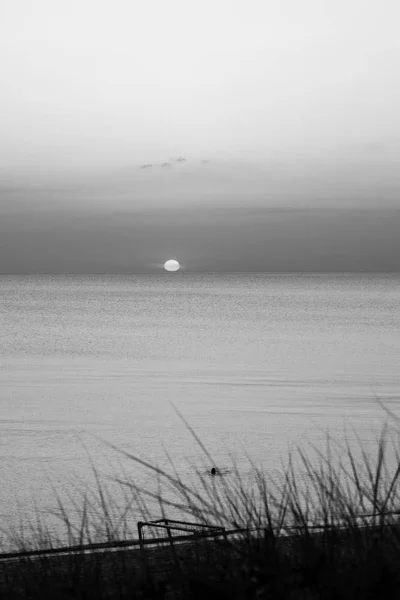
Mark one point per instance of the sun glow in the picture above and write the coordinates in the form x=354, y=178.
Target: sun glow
x=172, y=265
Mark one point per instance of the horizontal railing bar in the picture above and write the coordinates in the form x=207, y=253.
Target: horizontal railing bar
x=115, y=545
x=176, y=527
x=181, y=523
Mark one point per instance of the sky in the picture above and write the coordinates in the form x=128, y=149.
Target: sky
x=285, y=111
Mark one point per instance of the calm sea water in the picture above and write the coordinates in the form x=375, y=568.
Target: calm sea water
x=255, y=363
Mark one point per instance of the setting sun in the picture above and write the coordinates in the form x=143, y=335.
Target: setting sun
x=172, y=265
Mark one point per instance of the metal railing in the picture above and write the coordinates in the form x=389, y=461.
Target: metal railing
x=193, y=531
x=213, y=531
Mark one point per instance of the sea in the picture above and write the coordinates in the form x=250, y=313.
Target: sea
x=185, y=372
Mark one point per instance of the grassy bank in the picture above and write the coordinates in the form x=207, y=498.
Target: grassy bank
x=327, y=529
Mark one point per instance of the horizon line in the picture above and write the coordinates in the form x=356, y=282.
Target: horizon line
x=182, y=271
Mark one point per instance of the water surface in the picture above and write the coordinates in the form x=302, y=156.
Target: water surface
x=254, y=362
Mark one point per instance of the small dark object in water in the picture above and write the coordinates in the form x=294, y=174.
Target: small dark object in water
x=213, y=471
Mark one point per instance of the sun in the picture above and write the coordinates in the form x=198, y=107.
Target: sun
x=172, y=265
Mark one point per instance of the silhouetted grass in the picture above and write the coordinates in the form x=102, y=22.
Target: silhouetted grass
x=328, y=528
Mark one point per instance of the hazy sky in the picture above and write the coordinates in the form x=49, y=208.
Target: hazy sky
x=101, y=81
x=294, y=102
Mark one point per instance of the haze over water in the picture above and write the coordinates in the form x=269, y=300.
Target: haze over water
x=254, y=362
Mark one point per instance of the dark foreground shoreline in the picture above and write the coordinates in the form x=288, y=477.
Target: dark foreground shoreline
x=339, y=563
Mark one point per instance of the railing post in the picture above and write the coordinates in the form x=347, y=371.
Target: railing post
x=171, y=541
x=139, y=527
x=141, y=544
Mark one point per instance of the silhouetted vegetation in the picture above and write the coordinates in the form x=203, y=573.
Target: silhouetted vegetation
x=327, y=529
